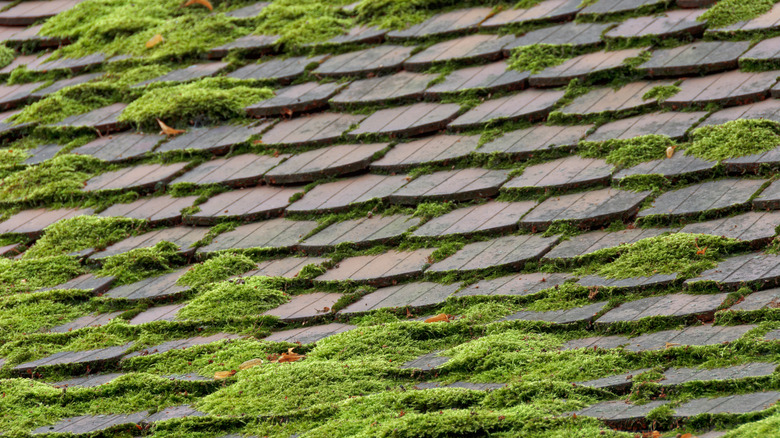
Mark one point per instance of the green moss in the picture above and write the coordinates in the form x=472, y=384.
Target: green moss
x=134, y=75
x=216, y=269
x=44, y=311
x=82, y=232
x=728, y=12
x=661, y=92
x=537, y=57
x=627, y=152
x=666, y=254
x=430, y=210
x=69, y=101
x=7, y=55
x=59, y=179
x=210, y=99
x=141, y=263
x=303, y=21
x=758, y=429
x=29, y=275
x=736, y=138
x=231, y=300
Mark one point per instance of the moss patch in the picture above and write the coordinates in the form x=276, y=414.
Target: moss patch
x=82, y=232
x=537, y=57
x=141, y=263
x=661, y=92
x=232, y=300
x=216, y=269
x=7, y=55
x=728, y=12
x=736, y=138
x=69, y=101
x=59, y=180
x=627, y=152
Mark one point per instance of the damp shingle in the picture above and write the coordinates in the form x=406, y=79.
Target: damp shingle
x=448, y=23
x=508, y=251
x=491, y=217
x=727, y=89
x=159, y=313
x=196, y=71
x=91, y=320
x=314, y=129
x=769, y=198
x=767, y=21
x=309, y=335
x=120, y=147
x=250, y=11
x=376, y=60
x=588, y=243
x=580, y=35
x=673, y=168
x=288, y=267
x=155, y=210
x=407, y=121
x=530, y=104
x=41, y=154
x=701, y=57
x=627, y=284
x=323, y=163
x=274, y=233
x=469, y=49
x=672, y=124
x=401, y=86
x=548, y=10
x=183, y=237
x=563, y=173
x=294, y=99
x=568, y=316
x=382, y=269
x=755, y=228
x=582, y=66
x=215, y=139
x=279, y=70
x=451, y=185
x=768, y=299
x=12, y=96
x=356, y=35
x=524, y=143
x=181, y=344
x=142, y=177
x=163, y=286
x=29, y=12
x=673, y=305
x=360, y=232
x=752, y=163
x=250, y=45
x=757, y=269
x=612, y=7
x=713, y=195
x=104, y=120
x=496, y=76
x=245, y=204
x=629, y=97
x=305, y=307
x=515, y=285
x=59, y=85
x=410, y=295
x=339, y=195
x=74, y=358
x=236, y=171
x=436, y=149
x=33, y=222
x=679, y=23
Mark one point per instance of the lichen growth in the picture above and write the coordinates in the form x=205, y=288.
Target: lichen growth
x=728, y=12
x=736, y=138
x=537, y=57
x=627, y=152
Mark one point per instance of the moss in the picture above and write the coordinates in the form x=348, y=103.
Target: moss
x=59, y=180
x=728, y=12
x=134, y=75
x=216, y=269
x=661, y=92
x=627, y=152
x=665, y=254
x=141, y=263
x=303, y=21
x=758, y=429
x=430, y=210
x=209, y=99
x=69, y=101
x=29, y=275
x=42, y=312
x=7, y=55
x=732, y=139
x=231, y=300
x=82, y=232
x=537, y=57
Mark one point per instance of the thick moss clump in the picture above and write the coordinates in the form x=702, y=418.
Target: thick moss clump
x=228, y=301
x=727, y=12
x=77, y=99
x=58, y=179
x=627, y=152
x=207, y=100
x=82, y=232
x=303, y=21
x=736, y=138
x=7, y=55
x=29, y=275
x=681, y=253
x=141, y=263
x=216, y=269
x=537, y=57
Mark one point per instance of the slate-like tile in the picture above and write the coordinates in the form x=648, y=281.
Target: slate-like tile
x=181, y=344
x=582, y=66
x=524, y=143
x=426, y=362
x=12, y=96
x=437, y=149
x=769, y=198
x=323, y=163
x=447, y=23
x=399, y=86
x=618, y=413
x=491, y=217
x=568, y=316
x=468, y=49
x=21, y=35
x=120, y=147
x=250, y=45
x=758, y=269
x=531, y=104
x=766, y=51
x=313, y=129
x=515, y=285
x=694, y=4
x=417, y=119
x=591, y=209
x=305, y=307
x=41, y=153
x=274, y=233
x=147, y=176
x=309, y=335
x=160, y=313
x=712, y=195
x=595, y=342
x=196, y=71
x=92, y=423
x=87, y=357
x=10, y=130
x=727, y=89
x=701, y=57
x=87, y=381
x=767, y=109
x=380, y=270
x=611, y=7
x=672, y=168
x=104, y=120
x=563, y=173
x=669, y=24
x=183, y=237
x=732, y=404
x=247, y=204
x=580, y=35
x=411, y=295
x=451, y=185
x=512, y=251
x=756, y=228
x=89, y=282
x=548, y=10
x=768, y=299
x=33, y=222
x=752, y=163
x=588, y=243
x=674, y=305
x=163, y=286
x=679, y=376
x=486, y=78
x=29, y=12
x=75, y=65
x=91, y=320
x=299, y=98
x=360, y=232
x=59, y=85
x=768, y=21
x=629, y=97
x=12, y=250
x=672, y=124
x=215, y=139
x=619, y=383
x=276, y=69
x=288, y=267
x=697, y=335
x=155, y=210
x=627, y=284
x=357, y=35
x=339, y=195
x=376, y=60
x=236, y=171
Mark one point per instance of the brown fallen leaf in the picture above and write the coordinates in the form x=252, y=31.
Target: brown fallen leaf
x=250, y=363
x=167, y=130
x=155, y=40
x=440, y=317
x=686, y=435
x=592, y=294
x=219, y=375
x=670, y=151
x=199, y=2
x=669, y=345
x=290, y=356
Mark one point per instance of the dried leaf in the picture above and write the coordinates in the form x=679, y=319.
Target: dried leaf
x=250, y=363
x=167, y=130
x=670, y=151
x=290, y=356
x=155, y=40
x=686, y=435
x=592, y=294
x=670, y=344
x=219, y=375
x=440, y=317
x=199, y=2
x=702, y=251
